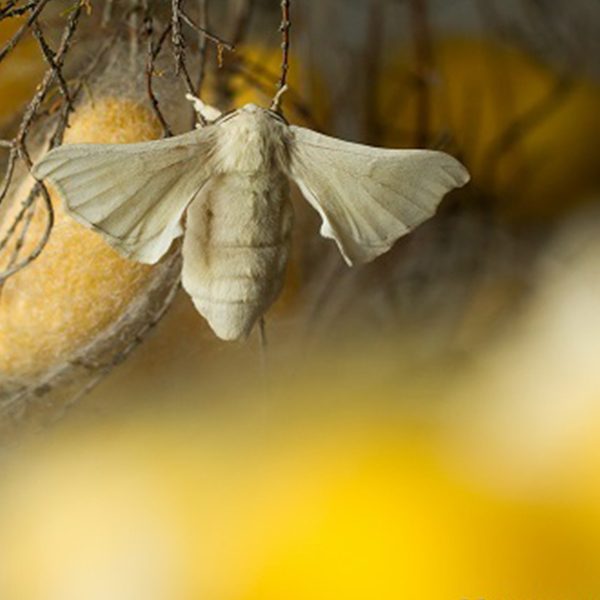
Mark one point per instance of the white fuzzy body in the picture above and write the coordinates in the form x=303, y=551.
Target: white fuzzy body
x=238, y=228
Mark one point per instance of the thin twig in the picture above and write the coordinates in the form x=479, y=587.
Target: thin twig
x=80, y=84
x=178, y=42
x=8, y=8
x=20, y=148
x=263, y=344
x=11, y=10
x=38, y=188
x=9, y=171
x=50, y=76
x=152, y=55
x=285, y=27
x=22, y=235
x=176, y=35
x=16, y=38
x=219, y=41
x=49, y=56
x=107, y=13
x=524, y=123
x=63, y=121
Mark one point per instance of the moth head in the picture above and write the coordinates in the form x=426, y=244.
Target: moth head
x=252, y=108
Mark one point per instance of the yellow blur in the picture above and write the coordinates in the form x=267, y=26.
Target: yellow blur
x=529, y=134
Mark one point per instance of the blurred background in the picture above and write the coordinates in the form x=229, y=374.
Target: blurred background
x=425, y=426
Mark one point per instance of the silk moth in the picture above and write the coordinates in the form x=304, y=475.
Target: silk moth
x=231, y=179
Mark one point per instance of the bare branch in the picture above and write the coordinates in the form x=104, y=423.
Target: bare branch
x=11, y=10
x=177, y=36
x=285, y=52
x=47, y=81
x=524, y=123
x=22, y=235
x=178, y=43
x=20, y=150
x=49, y=56
x=9, y=172
x=152, y=55
x=211, y=36
x=18, y=36
x=37, y=189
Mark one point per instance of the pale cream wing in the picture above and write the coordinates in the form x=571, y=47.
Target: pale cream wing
x=369, y=197
x=134, y=195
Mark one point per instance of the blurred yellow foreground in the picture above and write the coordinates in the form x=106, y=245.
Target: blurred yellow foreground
x=350, y=480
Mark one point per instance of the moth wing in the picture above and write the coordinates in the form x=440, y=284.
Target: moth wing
x=369, y=197
x=134, y=195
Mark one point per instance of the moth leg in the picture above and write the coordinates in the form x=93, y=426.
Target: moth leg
x=262, y=341
x=207, y=113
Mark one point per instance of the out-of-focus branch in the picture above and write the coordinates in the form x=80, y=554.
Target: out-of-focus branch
x=18, y=36
x=202, y=45
x=423, y=68
x=373, y=57
x=107, y=13
x=177, y=36
x=12, y=10
x=523, y=124
x=241, y=21
x=151, y=56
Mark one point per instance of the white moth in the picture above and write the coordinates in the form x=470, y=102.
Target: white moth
x=231, y=178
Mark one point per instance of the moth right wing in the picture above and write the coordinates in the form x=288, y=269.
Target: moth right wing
x=369, y=197
x=134, y=195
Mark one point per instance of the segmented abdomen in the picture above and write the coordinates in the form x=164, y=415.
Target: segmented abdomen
x=236, y=248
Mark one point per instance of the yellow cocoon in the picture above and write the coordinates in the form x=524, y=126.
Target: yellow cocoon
x=79, y=285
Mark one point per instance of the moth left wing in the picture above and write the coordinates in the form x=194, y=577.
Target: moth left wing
x=369, y=197
x=134, y=195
